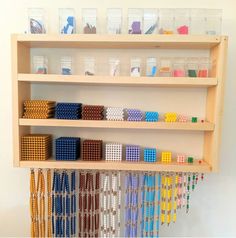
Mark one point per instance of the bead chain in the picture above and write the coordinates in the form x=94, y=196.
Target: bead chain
x=158, y=189
x=188, y=192
x=176, y=179
x=49, y=194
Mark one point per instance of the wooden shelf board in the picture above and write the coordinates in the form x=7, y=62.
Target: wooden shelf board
x=120, y=165
x=119, y=80
x=206, y=126
x=118, y=41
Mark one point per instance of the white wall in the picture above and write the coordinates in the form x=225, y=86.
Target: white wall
x=213, y=204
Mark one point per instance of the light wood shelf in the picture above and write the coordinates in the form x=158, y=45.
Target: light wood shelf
x=120, y=81
x=119, y=41
x=188, y=126
x=120, y=165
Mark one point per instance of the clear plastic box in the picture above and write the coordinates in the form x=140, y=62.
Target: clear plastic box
x=114, y=20
x=67, y=21
x=36, y=20
x=151, y=67
x=182, y=21
x=114, y=64
x=192, y=67
x=179, y=67
x=135, y=67
x=66, y=65
x=89, y=16
x=89, y=66
x=165, y=69
x=213, y=21
x=150, y=21
x=197, y=22
x=40, y=65
x=135, y=21
x=166, y=21
x=204, y=67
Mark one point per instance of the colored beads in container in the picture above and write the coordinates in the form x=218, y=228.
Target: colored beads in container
x=135, y=67
x=170, y=117
x=92, y=150
x=113, y=152
x=150, y=155
x=92, y=112
x=135, y=17
x=151, y=116
x=133, y=153
x=38, y=109
x=88, y=210
x=166, y=157
x=67, y=148
x=151, y=68
x=181, y=158
x=70, y=111
x=66, y=65
x=115, y=114
x=134, y=115
x=110, y=206
x=36, y=147
x=67, y=21
x=89, y=16
x=36, y=21
x=40, y=64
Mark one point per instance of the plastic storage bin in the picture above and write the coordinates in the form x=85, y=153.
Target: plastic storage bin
x=66, y=65
x=89, y=66
x=67, y=21
x=114, y=65
x=114, y=21
x=204, y=67
x=213, y=21
x=179, y=67
x=135, y=67
x=197, y=21
x=151, y=67
x=192, y=67
x=40, y=65
x=182, y=21
x=166, y=21
x=165, y=69
x=150, y=21
x=36, y=19
x=89, y=16
x=135, y=17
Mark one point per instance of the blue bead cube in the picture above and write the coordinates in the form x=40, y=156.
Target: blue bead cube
x=150, y=155
x=151, y=116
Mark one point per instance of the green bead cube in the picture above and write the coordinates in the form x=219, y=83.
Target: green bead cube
x=194, y=119
x=190, y=159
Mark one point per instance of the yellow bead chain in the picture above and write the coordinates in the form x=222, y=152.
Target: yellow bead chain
x=169, y=197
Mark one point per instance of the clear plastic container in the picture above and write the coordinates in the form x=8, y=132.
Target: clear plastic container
x=40, y=65
x=213, y=21
x=192, y=67
x=179, y=67
x=135, y=18
x=67, y=21
x=114, y=64
x=197, y=22
x=182, y=21
x=204, y=67
x=166, y=21
x=151, y=68
x=150, y=21
x=135, y=67
x=114, y=20
x=66, y=65
x=89, y=16
x=36, y=19
x=165, y=69
x=89, y=66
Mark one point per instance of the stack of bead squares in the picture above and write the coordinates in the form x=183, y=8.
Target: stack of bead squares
x=70, y=111
x=92, y=150
x=181, y=158
x=170, y=117
x=134, y=115
x=67, y=148
x=114, y=151
x=115, y=114
x=151, y=116
x=182, y=118
x=166, y=157
x=132, y=153
x=38, y=109
x=150, y=155
x=36, y=147
x=92, y=112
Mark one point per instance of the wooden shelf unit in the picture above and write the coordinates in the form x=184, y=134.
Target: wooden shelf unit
x=22, y=80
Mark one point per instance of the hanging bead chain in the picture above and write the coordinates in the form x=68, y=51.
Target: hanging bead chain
x=119, y=206
x=49, y=203
x=169, y=197
x=179, y=191
x=184, y=188
x=72, y=205
x=158, y=201
x=176, y=179
x=188, y=193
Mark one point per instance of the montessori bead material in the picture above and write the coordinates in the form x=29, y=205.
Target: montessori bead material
x=133, y=153
x=113, y=152
x=70, y=111
x=150, y=155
